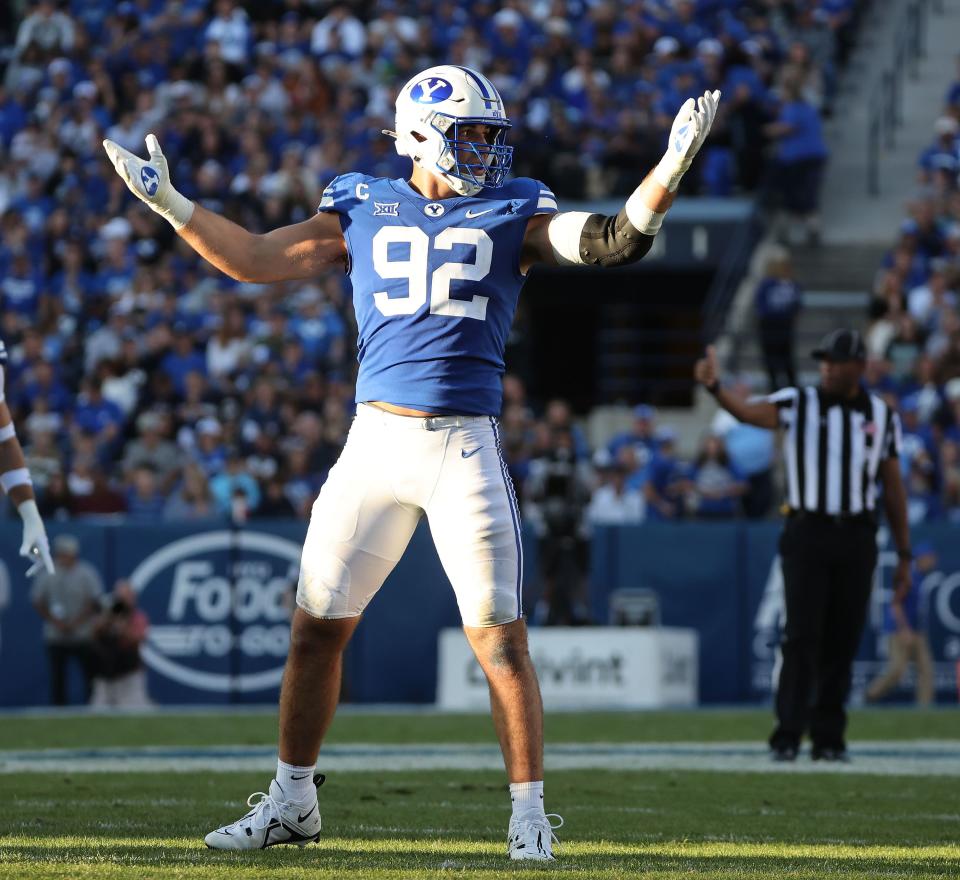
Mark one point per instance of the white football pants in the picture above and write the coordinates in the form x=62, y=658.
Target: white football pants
x=393, y=469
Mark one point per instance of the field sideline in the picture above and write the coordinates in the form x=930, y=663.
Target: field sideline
x=414, y=824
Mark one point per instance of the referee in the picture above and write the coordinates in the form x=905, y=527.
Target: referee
x=839, y=440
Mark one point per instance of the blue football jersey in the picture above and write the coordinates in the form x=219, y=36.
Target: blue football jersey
x=435, y=287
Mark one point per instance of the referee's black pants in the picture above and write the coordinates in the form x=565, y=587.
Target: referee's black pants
x=828, y=569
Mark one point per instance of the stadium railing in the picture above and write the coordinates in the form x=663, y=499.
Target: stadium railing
x=885, y=113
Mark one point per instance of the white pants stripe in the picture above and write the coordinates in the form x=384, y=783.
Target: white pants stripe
x=514, y=512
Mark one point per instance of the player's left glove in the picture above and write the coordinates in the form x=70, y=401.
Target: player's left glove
x=150, y=182
x=35, y=545
x=689, y=131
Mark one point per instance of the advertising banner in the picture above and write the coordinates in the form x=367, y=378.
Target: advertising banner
x=219, y=602
x=583, y=668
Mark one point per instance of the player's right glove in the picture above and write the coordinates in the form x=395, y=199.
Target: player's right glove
x=149, y=181
x=35, y=545
x=689, y=131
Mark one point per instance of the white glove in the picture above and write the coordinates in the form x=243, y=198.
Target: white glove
x=150, y=181
x=35, y=545
x=689, y=131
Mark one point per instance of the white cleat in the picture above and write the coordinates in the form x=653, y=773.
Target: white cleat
x=531, y=836
x=272, y=820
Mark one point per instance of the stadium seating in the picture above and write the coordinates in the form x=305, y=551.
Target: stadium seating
x=129, y=356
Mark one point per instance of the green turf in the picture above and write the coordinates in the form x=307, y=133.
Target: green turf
x=261, y=728
x=408, y=826
x=661, y=825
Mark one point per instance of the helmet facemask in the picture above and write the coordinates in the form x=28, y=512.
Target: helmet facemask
x=485, y=164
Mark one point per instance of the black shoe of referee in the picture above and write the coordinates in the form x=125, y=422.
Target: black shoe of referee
x=783, y=754
x=827, y=753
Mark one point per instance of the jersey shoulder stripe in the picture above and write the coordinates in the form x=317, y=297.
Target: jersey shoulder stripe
x=534, y=196
x=345, y=192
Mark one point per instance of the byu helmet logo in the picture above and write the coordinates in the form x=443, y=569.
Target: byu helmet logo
x=150, y=179
x=431, y=90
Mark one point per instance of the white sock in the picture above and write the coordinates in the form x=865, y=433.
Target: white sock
x=526, y=796
x=296, y=783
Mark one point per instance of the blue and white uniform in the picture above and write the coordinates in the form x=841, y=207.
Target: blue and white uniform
x=435, y=288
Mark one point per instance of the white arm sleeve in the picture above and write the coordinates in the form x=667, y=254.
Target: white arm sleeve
x=564, y=232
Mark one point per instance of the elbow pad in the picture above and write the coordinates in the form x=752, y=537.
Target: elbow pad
x=578, y=238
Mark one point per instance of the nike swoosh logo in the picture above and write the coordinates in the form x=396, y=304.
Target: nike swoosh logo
x=304, y=816
x=465, y=454
x=471, y=214
x=305, y=776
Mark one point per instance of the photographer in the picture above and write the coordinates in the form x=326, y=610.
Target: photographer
x=558, y=492
x=120, y=679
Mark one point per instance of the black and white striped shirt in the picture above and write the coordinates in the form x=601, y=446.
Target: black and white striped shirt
x=833, y=448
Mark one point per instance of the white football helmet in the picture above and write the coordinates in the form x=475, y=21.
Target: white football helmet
x=432, y=106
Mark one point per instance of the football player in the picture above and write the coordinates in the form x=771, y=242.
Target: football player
x=436, y=263
x=15, y=480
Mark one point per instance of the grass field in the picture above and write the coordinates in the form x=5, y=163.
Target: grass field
x=398, y=823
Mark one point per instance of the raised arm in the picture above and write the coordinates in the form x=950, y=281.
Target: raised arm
x=579, y=238
x=299, y=251
x=761, y=413
x=15, y=480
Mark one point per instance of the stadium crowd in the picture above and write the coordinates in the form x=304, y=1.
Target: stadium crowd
x=144, y=382
x=913, y=338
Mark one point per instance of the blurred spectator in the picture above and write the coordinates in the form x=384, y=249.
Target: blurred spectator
x=101, y=497
x=642, y=437
x=152, y=449
x=56, y=500
x=559, y=419
x=120, y=681
x=751, y=451
x=229, y=348
x=716, y=484
x=950, y=475
x=612, y=502
x=929, y=302
x=235, y=493
x=557, y=494
x=145, y=500
x=230, y=31
x=777, y=302
x=275, y=503
x=801, y=155
x=952, y=101
x=69, y=602
x=906, y=626
x=942, y=155
x=46, y=30
x=192, y=499
x=667, y=481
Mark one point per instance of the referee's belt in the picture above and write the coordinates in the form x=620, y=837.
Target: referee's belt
x=864, y=516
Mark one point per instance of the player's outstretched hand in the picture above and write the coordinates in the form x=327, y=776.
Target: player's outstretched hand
x=690, y=129
x=35, y=545
x=706, y=371
x=149, y=180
